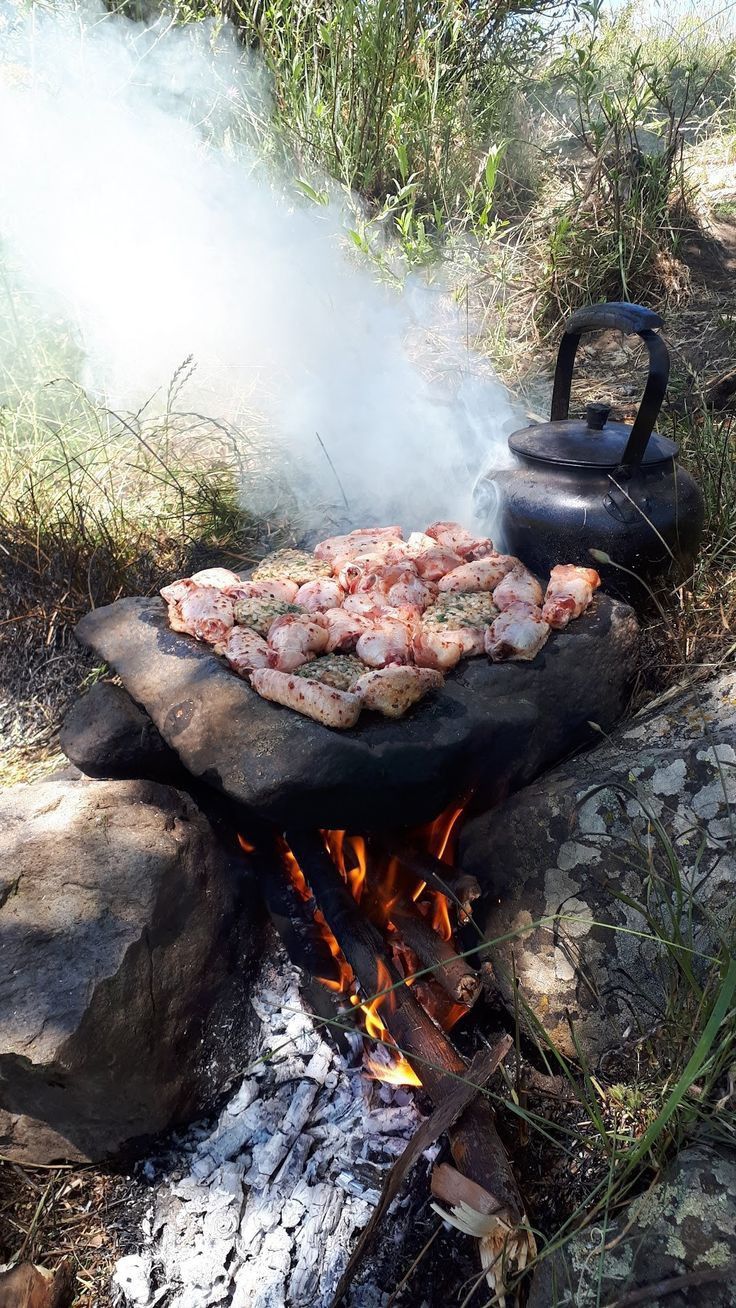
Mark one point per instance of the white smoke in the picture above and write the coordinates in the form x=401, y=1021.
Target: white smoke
x=131, y=204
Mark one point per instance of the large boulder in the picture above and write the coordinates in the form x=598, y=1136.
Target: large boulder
x=682, y=1228
x=581, y=869
x=125, y=939
x=106, y=735
x=490, y=728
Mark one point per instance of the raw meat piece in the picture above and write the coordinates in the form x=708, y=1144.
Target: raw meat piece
x=355, y=542
x=518, y=633
x=388, y=640
x=293, y=639
x=333, y=708
x=220, y=578
x=455, y=537
x=318, y=596
x=344, y=629
x=442, y=648
x=205, y=612
x=366, y=604
x=291, y=565
x=569, y=593
x=482, y=574
x=432, y=559
x=392, y=691
x=244, y=650
x=268, y=590
x=518, y=587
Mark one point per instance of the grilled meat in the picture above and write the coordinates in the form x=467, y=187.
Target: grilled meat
x=392, y=691
x=338, y=670
x=569, y=593
x=291, y=565
x=333, y=708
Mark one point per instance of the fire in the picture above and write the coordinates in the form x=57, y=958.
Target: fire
x=349, y=855
x=245, y=845
x=345, y=980
x=397, y=1071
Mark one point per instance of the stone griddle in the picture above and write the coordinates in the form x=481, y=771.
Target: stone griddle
x=490, y=729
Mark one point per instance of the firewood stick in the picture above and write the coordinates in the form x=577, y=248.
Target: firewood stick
x=454, y=974
x=474, y=1140
x=459, y=886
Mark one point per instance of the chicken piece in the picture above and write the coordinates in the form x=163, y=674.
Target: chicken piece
x=351, y=567
x=206, y=613
x=355, y=542
x=318, y=596
x=387, y=640
x=442, y=647
x=366, y=604
x=569, y=593
x=517, y=633
x=454, y=537
x=338, y=670
x=518, y=587
x=331, y=707
x=176, y=591
x=392, y=691
x=344, y=629
x=417, y=593
x=285, y=591
x=481, y=574
x=293, y=639
x=432, y=560
x=291, y=565
x=220, y=578
x=244, y=650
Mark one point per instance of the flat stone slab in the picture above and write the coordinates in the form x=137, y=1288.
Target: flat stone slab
x=490, y=729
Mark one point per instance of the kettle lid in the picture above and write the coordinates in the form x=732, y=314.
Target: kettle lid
x=590, y=442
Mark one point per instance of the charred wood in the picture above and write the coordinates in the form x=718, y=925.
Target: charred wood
x=474, y=1140
x=453, y=973
x=459, y=886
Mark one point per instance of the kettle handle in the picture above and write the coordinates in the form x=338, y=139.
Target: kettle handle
x=632, y=319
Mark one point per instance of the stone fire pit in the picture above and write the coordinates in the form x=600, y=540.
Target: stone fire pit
x=490, y=729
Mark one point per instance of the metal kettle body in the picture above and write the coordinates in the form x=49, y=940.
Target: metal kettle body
x=578, y=486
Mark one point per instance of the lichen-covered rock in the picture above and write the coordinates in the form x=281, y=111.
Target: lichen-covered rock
x=682, y=1227
x=124, y=939
x=647, y=818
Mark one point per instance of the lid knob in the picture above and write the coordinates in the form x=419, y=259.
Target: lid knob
x=597, y=415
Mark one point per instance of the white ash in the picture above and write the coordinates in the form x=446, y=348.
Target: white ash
x=272, y=1197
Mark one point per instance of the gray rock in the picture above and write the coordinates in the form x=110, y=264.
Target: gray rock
x=668, y=775
x=106, y=735
x=684, y=1226
x=491, y=726
x=123, y=958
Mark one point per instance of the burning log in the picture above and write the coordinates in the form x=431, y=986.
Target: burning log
x=454, y=974
x=459, y=886
x=474, y=1140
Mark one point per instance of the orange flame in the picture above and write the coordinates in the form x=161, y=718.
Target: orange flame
x=245, y=845
x=349, y=855
x=345, y=979
x=397, y=1073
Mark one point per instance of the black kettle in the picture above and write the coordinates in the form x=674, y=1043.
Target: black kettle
x=590, y=484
